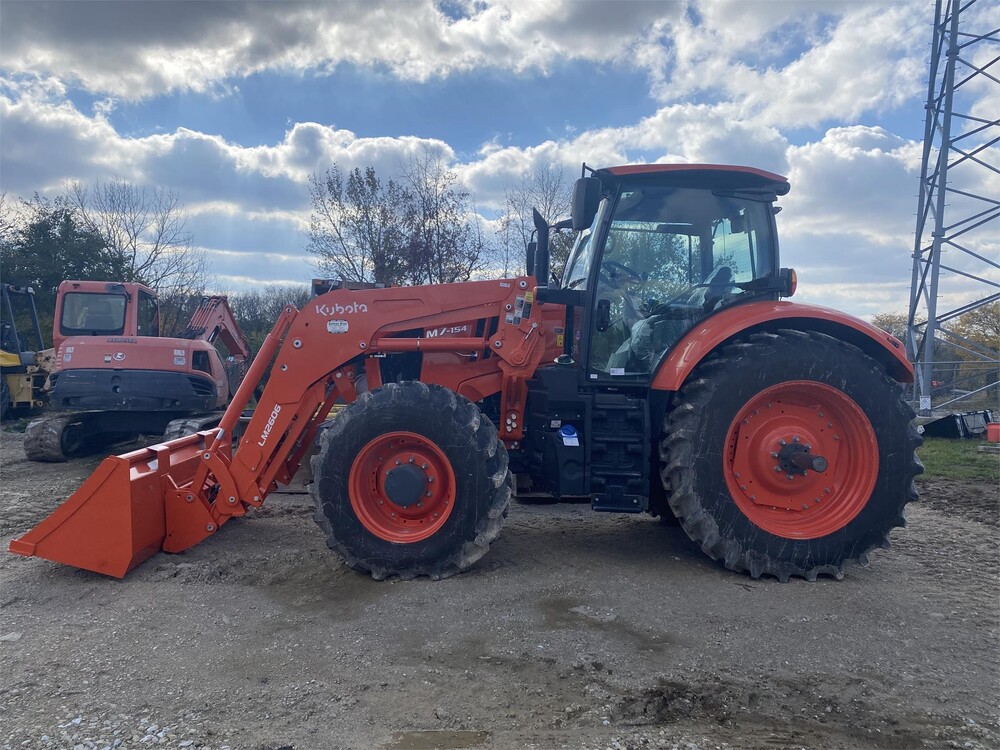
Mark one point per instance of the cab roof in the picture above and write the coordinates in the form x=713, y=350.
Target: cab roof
x=720, y=176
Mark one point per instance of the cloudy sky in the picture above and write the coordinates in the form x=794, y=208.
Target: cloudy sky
x=234, y=105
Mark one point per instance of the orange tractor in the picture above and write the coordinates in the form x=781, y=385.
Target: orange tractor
x=115, y=376
x=661, y=375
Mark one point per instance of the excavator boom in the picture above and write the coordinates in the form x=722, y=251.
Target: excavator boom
x=214, y=320
x=173, y=495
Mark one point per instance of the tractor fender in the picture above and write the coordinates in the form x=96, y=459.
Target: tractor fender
x=751, y=317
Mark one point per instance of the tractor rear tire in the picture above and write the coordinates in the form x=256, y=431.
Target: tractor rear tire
x=739, y=421
x=411, y=480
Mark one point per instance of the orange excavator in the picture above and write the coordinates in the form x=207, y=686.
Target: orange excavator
x=115, y=376
x=661, y=374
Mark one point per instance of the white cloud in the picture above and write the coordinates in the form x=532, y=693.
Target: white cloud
x=164, y=47
x=849, y=58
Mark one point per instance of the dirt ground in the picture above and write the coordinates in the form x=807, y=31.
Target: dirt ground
x=577, y=630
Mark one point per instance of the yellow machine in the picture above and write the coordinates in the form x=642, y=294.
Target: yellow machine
x=23, y=367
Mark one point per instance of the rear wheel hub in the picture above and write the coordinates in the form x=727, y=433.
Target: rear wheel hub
x=801, y=459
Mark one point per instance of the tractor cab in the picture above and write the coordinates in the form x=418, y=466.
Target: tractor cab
x=660, y=249
x=664, y=247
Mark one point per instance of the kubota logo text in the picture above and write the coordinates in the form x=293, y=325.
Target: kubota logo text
x=338, y=309
x=269, y=425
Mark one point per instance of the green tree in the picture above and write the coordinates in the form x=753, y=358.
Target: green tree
x=44, y=244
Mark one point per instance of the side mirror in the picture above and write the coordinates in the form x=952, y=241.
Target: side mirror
x=529, y=261
x=789, y=280
x=542, y=249
x=603, y=320
x=586, y=198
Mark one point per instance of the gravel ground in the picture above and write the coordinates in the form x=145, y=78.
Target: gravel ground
x=577, y=630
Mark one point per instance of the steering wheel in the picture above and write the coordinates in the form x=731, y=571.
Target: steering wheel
x=612, y=268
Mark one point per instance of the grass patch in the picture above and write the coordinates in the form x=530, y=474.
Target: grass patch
x=958, y=459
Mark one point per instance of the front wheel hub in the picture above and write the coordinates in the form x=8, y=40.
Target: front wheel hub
x=402, y=487
x=405, y=485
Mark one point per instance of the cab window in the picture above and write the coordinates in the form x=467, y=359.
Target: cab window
x=672, y=256
x=92, y=314
x=149, y=315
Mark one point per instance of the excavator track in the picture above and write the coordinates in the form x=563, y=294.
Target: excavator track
x=57, y=439
x=190, y=425
x=60, y=437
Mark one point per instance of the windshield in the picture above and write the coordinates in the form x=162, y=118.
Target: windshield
x=671, y=257
x=85, y=313
x=582, y=254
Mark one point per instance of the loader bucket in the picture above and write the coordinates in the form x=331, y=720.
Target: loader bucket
x=119, y=516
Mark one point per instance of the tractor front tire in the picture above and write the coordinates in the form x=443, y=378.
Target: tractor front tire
x=790, y=454
x=411, y=480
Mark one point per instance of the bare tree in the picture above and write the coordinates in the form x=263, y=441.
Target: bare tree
x=444, y=244
x=357, y=230
x=546, y=188
x=146, y=230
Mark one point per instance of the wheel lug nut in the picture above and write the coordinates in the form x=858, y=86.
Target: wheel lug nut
x=777, y=468
x=781, y=441
x=795, y=438
x=743, y=487
x=774, y=454
x=791, y=476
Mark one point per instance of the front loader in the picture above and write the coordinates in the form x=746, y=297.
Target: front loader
x=662, y=375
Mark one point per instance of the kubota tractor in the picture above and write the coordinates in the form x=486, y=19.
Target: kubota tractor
x=661, y=375
x=115, y=376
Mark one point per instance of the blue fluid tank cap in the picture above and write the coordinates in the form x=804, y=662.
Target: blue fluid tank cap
x=567, y=431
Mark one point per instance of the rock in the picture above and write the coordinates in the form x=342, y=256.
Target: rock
x=11, y=637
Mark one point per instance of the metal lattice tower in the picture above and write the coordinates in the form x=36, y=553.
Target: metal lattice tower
x=957, y=243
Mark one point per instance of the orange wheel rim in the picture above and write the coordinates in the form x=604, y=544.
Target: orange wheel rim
x=402, y=487
x=775, y=453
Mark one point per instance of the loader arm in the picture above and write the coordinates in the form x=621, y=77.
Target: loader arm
x=173, y=495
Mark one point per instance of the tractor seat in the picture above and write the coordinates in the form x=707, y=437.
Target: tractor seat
x=717, y=285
